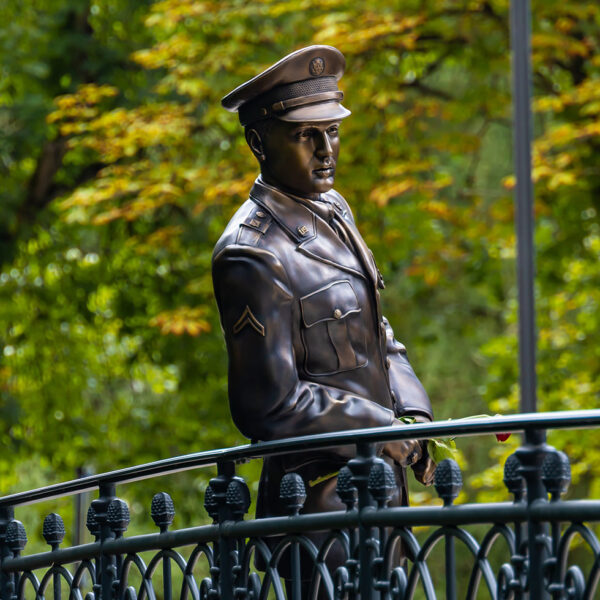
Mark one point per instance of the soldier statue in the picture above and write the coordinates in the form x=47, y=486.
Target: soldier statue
x=298, y=292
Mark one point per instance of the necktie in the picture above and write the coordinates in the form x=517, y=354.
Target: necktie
x=326, y=211
x=346, y=233
x=350, y=236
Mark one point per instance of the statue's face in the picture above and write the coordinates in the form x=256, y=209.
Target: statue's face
x=301, y=157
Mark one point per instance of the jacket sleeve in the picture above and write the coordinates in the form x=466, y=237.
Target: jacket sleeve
x=410, y=397
x=267, y=398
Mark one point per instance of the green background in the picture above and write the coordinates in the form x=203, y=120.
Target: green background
x=119, y=170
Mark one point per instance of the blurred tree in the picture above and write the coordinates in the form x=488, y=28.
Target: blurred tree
x=112, y=350
x=46, y=52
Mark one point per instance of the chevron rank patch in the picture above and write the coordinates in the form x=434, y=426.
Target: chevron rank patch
x=248, y=318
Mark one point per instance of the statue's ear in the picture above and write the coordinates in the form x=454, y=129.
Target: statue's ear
x=255, y=143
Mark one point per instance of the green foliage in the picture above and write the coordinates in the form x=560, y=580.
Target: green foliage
x=119, y=170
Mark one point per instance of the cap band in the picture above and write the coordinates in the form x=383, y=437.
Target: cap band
x=284, y=105
x=292, y=95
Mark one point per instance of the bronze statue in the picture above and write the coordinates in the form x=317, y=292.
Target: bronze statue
x=298, y=291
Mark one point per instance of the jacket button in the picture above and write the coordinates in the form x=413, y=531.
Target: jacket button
x=337, y=313
x=388, y=363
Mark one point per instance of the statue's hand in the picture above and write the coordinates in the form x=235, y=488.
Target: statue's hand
x=424, y=470
x=404, y=452
x=425, y=467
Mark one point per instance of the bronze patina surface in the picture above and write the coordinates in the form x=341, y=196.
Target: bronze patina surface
x=298, y=291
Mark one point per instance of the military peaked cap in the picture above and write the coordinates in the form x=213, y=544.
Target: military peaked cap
x=301, y=87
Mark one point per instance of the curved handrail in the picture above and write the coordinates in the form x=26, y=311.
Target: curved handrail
x=452, y=428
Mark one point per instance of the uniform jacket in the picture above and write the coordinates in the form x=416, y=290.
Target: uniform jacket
x=309, y=350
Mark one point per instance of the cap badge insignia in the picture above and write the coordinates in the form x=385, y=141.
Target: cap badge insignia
x=317, y=66
x=248, y=318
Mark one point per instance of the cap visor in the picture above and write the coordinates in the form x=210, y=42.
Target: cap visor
x=324, y=111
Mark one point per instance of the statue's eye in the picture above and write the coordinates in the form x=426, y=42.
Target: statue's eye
x=304, y=134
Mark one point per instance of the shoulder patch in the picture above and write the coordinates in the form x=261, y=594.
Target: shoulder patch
x=258, y=219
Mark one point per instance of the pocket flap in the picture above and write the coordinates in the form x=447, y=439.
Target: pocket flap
x=332, y=302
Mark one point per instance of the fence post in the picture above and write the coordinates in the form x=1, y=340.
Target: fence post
x=448, y=483
x=108, y=572
x=531, y=455
x=514, y=571
x=6, y=516
x=219, y=485
x=361, y=468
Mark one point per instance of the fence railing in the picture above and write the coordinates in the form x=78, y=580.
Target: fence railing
x=521, y=548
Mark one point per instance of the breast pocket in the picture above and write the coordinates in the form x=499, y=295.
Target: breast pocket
x=333, y=331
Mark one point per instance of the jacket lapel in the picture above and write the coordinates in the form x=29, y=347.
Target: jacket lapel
x=327, y=247
x=314, y=237
x=362, y=250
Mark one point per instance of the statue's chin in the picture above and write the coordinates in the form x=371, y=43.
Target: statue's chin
x=317, y=184
x=323, y=183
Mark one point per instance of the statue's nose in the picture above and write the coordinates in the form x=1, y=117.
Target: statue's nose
x=324, y=147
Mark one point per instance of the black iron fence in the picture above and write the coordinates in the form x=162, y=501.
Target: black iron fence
x=382, y=556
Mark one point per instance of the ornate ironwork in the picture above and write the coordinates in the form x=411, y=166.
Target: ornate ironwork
x=382, y=557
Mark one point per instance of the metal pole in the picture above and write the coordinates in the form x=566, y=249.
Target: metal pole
x=521, y=51
x=531, y=454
